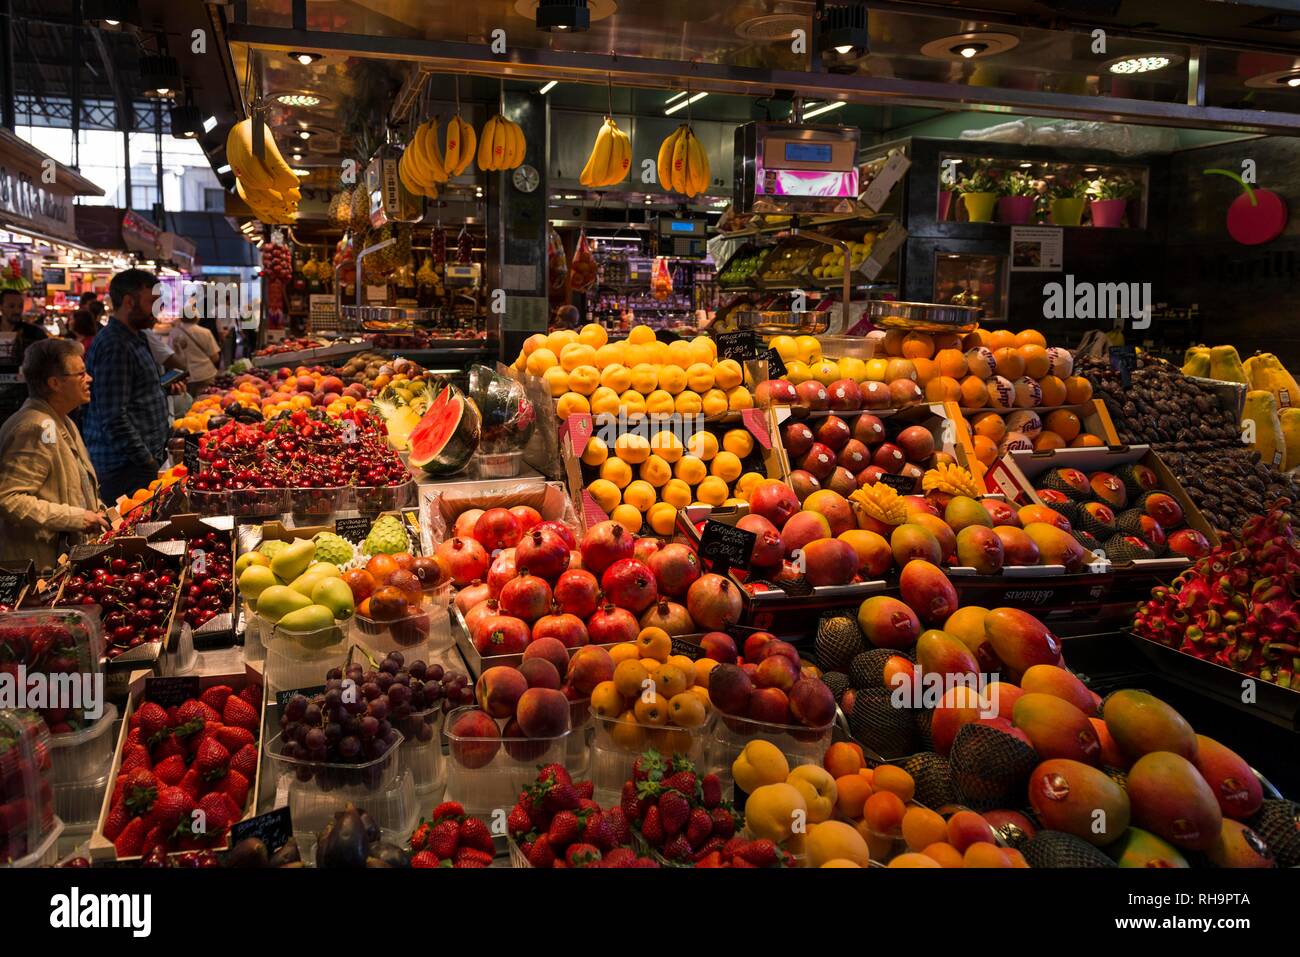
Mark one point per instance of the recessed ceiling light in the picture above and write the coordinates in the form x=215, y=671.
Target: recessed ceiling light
x=843, y=29
x=1293, y=81
x=970, y=46
x=304, y=134
x=681, y=105
x=969, y=50
x=1026, y=165
x=160, y=76
x=824, y=108
x=300, y=98
x=563, y=16
x=1090, y=169
x=306, y=59
x=548, y=87
x=1142, y=63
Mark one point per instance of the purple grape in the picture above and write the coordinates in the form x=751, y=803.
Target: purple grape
x=418, y=669
x=435, y=673
x=369, y=726
x=296, y=708
x=379, y=707
x=349, y=748
x=399, y=694
x=316, y=740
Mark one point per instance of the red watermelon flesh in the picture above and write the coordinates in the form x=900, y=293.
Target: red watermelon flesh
x=447, y=435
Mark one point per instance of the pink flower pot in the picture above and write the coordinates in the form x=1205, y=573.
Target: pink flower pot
x=945, y=204
x=1016, y=210
x=1107, y=213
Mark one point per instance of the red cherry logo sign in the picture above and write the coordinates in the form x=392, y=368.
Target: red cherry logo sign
x=1255, y=217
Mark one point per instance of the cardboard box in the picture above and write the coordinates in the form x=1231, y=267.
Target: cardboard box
x=101, y=848
x=441, y=505
x=1017, y=474
x=1092, y=414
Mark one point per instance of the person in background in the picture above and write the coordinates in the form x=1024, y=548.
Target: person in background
x=16, y=335
x=566, y=317
x=48, y=496
x=197, y=348
x=83, y=327
x=126, y=423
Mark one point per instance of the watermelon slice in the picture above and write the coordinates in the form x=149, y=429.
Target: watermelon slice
x=447, y=435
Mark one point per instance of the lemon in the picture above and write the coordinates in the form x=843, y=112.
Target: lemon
x=606, y=494
x=726, y=466
x=853, y=368
x=690, y=470
x=629, y=516
x=617, y=472
x=640, y=334
x=617, y=377
x=576, y=354
x=610, y=354
x=703, y=349
x=785, y=347
x=645, y=377
x=667, y=446
x=689, y=403
x=672, y=379
x=676, y=493
x=595, y=453
x=556, y=341
x=679, y=354
x=659, y=402
x=877, y=369
x=826, y=371
x=738, y=442
x=632, y=402
x=727, y=374
x=593, y=334
x=656, y=471
x=572, y=403
x=584, y=379
x=632, y=448
x=796, y=372
x=662, y=518
x=740, y=398
x=557, y=380
x=533, y=343
x=714, y=402
x=712, y=491
x=539, y=360
x=703, y=445
x=604, y=401
x=699, y=377
x=809, y=349
x=640, y=495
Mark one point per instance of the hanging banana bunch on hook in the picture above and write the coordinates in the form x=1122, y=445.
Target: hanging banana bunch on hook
x=421, y=168
x=501, y=145
x=683, y=165
x=610, y=159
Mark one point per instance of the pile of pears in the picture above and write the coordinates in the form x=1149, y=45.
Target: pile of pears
x=289, y=587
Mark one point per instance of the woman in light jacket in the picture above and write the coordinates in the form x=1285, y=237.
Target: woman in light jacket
x=49, y=497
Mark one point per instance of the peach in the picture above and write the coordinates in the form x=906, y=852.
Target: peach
x=770, y=705
x=776, y=671
x=479, y=752
x=543, y=713
x=590, y=666
x=540, y=673
x=499, y=689
x=549, y=649
x=966, y=828
x=730, y=688
x=719, y=646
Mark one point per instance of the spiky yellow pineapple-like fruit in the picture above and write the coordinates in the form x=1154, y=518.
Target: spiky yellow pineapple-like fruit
x=952, y=479
x=881, y=502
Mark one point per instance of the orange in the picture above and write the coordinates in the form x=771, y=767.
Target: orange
x=986, y=449
x=1086, y=440
x=627, y=733
x=1030, y=337
x=951, y=362
x=884, y=812
x=944, y=853
x=1009, y=364
x=654, y=643
x=1002, y=339
x=943, y=389
x=889, y=777
x=989, y=424
x=686, y=710
x=851, y=793
x=1064, y=423
x=1035, y=358
x=974, y=393
x=923, y=827
x=893, y=342
x=1078, y=390
x=1053, y=390
x=670, y=681
x=651, y=709
x=623, y=651
x=606, y=700
x=628, y=677
x=1047, y=440
x=685, y=666
x=946, y=340
x=917, y=345
x=925, y=370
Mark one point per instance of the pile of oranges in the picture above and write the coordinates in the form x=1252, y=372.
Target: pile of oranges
x=141, y=496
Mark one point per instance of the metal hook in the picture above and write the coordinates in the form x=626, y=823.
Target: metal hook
x=609, y=94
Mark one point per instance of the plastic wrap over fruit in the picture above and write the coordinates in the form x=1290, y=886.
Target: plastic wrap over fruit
x=582, y=273
x=661, y=280
x=557, y=263
x=508, y=415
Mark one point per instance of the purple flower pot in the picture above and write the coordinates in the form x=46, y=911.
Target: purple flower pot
x=1016, y=210
x=1107, y=213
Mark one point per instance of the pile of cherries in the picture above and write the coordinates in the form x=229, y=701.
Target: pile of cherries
x=210, y=589
x=135, y=595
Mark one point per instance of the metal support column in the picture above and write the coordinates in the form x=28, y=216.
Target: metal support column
x=7, y=112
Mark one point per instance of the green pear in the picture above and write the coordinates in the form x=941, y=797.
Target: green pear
x=334, y=594
x=254, y=580
x=312, y=626
x=305, y=582
x=293, y=560
x=280, y=600
x=250, y=558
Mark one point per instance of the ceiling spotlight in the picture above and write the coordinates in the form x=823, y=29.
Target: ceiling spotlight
x=681, y=104
x=548, y=87
x=306, y=59
x=305, y=100
x=112, y=13
x=160, y=76
x=1026, y=165
x=844, y=30
x=563, y=16
x=1144, y=63
x=224, y=168
x=186, y=122
x=824, y=108
x=302, y=172
x=969, y=50
x=1293, y=81
x=304, y=134
x=297, y=157
x=1090, y=169
x=970, y=46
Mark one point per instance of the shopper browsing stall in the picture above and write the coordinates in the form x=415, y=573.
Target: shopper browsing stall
x=16, y=334
x=196, y=347
x=126, y=423
x=48, y=497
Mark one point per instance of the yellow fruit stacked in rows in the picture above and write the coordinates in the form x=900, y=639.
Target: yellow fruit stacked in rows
x=655, y=697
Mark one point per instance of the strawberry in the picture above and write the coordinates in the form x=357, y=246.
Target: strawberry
x=652, y=828
x=554, y=772
x=215, y=697
x=235, y=785
x=518, y=822
x=711, y=859
x=234, y=738
x=233, y=811
x=713, y=845
x=129, y=842
x=684, y=782
x=138, y=759
x=153, y=720
x=171, y=805
x=451, y=809
x=425, y=859
x=760, y=853
x=213, y=760
x=619, y=857
x=618, y=825
x=133, y=736
x=562, y=797
x=733, y=846
x=472, y=857
x=474, y=833
x=116, y=821
x=646, y=766
x=251, y=695
x=630, y=802
x=245, y=761
x=168, y=747
x=585, y=789
x=698, y=827
x=215, y=813
x=239, y=712
x=170, y=770
x=739, y=861
x=192, y=783
x=154, y=839
x=540, y=854
x=420, y=837
x=678, y=849
x=711, y=788
x=644, y=862
x=724, y=822
x=444, y=839
x=598, y=831
x=675, y=810
x=196, y=711
x=564, y=830
x=140, y=791
x=582, y=855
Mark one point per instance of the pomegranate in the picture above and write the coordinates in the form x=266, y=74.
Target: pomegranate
x=543, y=553
x=464, y=527
x=503, y=570
x=644, y=548
x=604, y=544
x=565, y=533
x=774, y=500
x=768, y=549
x=462, y=559
x=630, y=584
x=669, y=616
x=501, y=635
x=675, y=567
x=527, y=517
x=527, y=597
x=472, y=594
x=566, y=628
x=484, y=609
x=496, y=529
x=578, y=593
x=611, y=625
x=714, y=602
x=575, y=559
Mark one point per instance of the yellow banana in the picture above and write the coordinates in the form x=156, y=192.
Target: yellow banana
x=404, y=174
x=664, y=164
x=519, y=146
x=431, y=154
x=451, y=154
x=468, y=143
x=499, y=134
x=416, y=168
x=619, y=159
x=239, y=154
x=587, y=177
x=484, y=157
x=282, y=175
x=699, y=166
x=679, y=163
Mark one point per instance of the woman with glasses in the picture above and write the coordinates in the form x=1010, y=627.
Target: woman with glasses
x=49, y=496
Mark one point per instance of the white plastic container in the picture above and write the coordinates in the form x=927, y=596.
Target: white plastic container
x=617, y=744
x=485, y=774
x=422, y=750
x=27, y=833
x=730, y=734
x=300, y=659
x=46, y=853
x=77, y=804
x=84, y=755
x=424, y=635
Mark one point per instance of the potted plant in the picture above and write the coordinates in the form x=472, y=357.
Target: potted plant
x=1019, y=193
x=1066, y=199
x=1109, y=196
x=979, y=194
x=945, y=202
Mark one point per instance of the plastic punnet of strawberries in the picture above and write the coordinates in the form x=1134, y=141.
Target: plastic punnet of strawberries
x=451, y=838
x=200, y=755
x=682, y=816
x=557, y=824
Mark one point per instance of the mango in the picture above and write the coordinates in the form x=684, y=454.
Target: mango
x=1234, y=784
x=981, y=549
x=1057, y=547
x=966, y=624
x=1141, y=723
x=1139, y=848
x=1055, y=680
x=1169, y=797
x=940, y=653
x=1056, y=728
x=1239, y=846
x=1020, y=640
x=1079, y=799
x=962, y=511
x=280, y=600
x=292, y=560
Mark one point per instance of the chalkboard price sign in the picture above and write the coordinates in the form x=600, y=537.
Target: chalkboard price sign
x=1123, y=359
x=171, y=690
x=740, y=346
x=775, y=367
x=274, y=828
x=902, y=484
x=354, y=530
x=11, y=586
x=725, y=546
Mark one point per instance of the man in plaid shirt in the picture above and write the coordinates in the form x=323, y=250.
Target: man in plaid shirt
x=127, y=423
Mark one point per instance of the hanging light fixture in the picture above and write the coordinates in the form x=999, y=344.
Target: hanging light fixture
x=160, y=76
x=563, y=16
x=112, y=14
x=186, y=121
x=306, y=59
x=844, y=32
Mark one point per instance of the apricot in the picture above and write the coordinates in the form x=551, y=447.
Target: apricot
x=884, y=811
x=852, y=791
x=889, y=777
x=843, y=757
x=914, y=860
x=944, y=853
x=923, y=827
x=985, y=855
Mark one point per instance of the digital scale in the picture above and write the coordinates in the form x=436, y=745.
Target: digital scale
x=784, y=168
x=682, y=237
x=461, y=275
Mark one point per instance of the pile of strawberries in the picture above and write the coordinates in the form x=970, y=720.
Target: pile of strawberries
x=200, y=755
x=451, y=838
x=682, y=816
x=557, y=824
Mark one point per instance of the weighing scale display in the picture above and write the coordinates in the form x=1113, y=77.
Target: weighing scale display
x=682, y=226
x=808, y=152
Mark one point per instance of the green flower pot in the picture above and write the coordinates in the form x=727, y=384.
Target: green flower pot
x=1069, y=211
x=979, y=206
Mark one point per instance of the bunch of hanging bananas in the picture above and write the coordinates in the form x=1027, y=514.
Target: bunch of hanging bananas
x=683, y=164
x=268, y=185
x=610, y=158
x=424, y=165
x=502, y=145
